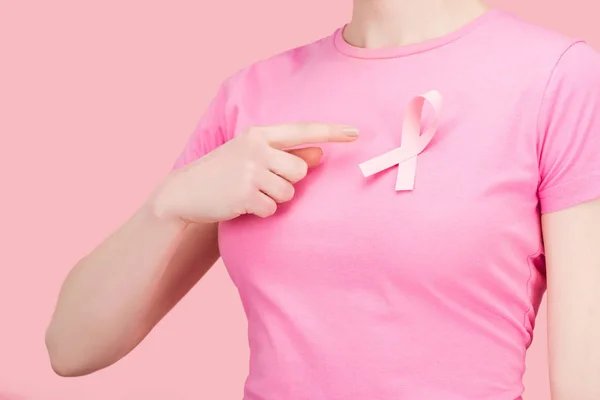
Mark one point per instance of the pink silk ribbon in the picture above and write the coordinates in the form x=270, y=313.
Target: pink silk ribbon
x=413, y=142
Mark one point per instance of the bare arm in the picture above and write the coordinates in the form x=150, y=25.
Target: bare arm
x=572, y=241
x=113, y=297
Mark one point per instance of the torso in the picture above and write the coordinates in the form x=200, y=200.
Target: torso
x=356, y=291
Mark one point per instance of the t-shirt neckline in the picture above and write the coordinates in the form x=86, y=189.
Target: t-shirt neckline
x=399, y=51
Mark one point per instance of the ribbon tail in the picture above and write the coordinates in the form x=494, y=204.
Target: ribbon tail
x=406, y=174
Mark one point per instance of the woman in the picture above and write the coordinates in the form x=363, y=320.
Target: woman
x=353, y=289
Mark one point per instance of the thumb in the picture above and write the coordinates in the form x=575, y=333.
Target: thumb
x=311, y=155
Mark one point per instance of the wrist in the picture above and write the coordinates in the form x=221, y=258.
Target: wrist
x=162, y=203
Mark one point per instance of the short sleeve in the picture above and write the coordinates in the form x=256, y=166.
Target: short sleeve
x=210, y=131
x=569, y=129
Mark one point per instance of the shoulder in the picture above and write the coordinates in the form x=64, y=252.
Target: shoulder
x=538, y=62
x=522, y=35
x=538, y=50
x=274, y=69
x=577, y=68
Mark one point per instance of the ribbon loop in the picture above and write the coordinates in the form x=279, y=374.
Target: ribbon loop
x=413, y=142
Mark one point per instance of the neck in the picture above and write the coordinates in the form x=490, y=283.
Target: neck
x=388, y=23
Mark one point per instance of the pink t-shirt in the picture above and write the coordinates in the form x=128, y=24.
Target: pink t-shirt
x=356, y=291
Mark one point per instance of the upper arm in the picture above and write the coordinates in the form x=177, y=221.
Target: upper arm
x=572, y=242
x=569, y=191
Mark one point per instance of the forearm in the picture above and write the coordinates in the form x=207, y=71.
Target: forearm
x=103, y=295
x=107, y=304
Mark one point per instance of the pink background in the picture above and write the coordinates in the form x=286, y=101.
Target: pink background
x=96, y=101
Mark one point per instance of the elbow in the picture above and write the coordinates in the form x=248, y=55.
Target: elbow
x=65, y=360
x=73, y=355
x=66, y=370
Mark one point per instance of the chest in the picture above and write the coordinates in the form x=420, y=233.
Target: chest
x=474, y=193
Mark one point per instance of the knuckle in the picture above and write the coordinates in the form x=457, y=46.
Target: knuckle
x=302, y=169
x=312, y=126
x=316, y=127
x=254, y=133
x=269, y=209
x=272, y=208
x=255, y=145
x=298, y=171
x=287, y=192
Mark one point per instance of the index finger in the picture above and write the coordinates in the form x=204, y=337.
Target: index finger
x=290, y=135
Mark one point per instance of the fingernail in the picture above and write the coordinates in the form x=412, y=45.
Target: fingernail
x=350, y=131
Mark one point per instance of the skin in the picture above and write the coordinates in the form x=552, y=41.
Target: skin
x=115, y=295
x=571, y=239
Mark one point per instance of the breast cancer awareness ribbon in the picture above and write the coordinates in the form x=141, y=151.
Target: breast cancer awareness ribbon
x=413, y=142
